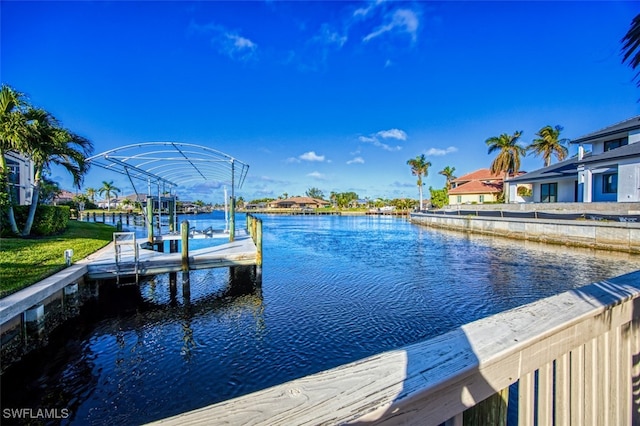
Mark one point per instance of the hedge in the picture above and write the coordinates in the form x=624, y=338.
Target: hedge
x=49, y=220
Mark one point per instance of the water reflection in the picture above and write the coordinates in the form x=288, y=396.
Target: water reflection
x=334, y=289
x=129, y=339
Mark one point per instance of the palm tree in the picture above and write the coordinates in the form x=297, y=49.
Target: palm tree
x=13, y=137
x=91, y=193
x=108, y=189
x=631, y=47
x=548, y=143
x=447, y=172
x=419, y=167
x=48, y=144
x=508, y=158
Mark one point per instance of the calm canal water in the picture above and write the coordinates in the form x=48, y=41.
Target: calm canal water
x=334, y=289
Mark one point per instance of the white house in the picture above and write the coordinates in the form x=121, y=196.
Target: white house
x=610, y=171
x=21, y=176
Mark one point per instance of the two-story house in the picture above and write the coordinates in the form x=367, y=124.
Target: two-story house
x=609, y=171
x=21, y=175
x=480, y=186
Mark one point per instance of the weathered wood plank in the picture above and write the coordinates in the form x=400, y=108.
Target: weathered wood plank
x=526, y=392
x=545, y=393
x=563, y=390
x=432, y=381
x=577, y=386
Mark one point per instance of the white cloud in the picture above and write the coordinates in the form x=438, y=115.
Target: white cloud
x=237, y=47
x=229, y=43
x=401, y=21
x=364, y=11
x=393, y=133
x=311, y=156
x=356, y=160
x=317, y=175
x=329, y=36
x=385, y=134
x=437, y=152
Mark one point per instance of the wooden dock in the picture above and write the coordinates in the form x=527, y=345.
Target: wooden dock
x=241, y=251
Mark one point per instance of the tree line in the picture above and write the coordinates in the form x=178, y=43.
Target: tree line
x=39, y=136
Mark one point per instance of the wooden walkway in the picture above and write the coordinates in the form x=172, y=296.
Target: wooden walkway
x=241, y=251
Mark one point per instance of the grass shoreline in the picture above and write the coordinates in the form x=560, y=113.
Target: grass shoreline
x=25, y=261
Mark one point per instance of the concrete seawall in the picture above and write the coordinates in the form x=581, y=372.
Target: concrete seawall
x=619, y=236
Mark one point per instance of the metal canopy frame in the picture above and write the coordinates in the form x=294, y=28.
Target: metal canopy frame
x=173, y=164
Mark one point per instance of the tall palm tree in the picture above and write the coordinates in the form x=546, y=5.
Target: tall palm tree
x=91, y=194
x=549, y=143
x=108, y=189
x=419, y=167
x=447, y=172
x=631, y=47
x=13, y=137
x=49, y=144
x=508, y=159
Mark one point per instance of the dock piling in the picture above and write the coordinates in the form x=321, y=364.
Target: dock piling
x=184, y=233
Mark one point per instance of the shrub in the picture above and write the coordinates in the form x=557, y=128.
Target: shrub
x=49, y=220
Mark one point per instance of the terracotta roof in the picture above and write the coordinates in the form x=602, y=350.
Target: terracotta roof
x=476, y=187
x=481, y=174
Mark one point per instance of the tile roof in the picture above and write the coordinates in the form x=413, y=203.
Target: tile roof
x=476, y=187
x=480, y=174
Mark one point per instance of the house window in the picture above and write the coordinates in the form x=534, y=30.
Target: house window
x=481, y=198
x=615, y=143
x=459, y=199
x=549, y=193
x=610, y=183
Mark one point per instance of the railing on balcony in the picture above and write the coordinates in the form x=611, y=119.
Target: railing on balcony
x=574, y=359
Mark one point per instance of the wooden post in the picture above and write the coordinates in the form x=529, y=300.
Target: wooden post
x=94, y=216
x=232, y=219
x=104, y=217
x=491, y=411
x=150, y=220
x=184, y=233
x=172, y=224
x=258, y=241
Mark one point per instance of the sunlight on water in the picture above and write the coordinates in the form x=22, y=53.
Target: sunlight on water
x=334, y=289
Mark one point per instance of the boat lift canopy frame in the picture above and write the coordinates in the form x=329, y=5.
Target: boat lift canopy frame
x=170, y=165
x=173, y=164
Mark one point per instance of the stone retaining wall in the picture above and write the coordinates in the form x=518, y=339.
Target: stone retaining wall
x=619, y=236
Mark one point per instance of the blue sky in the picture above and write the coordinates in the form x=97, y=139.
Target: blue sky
x=332, y=95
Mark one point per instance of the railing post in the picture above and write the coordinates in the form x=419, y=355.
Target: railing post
x=184, y=234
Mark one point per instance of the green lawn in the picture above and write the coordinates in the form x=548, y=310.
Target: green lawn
x=25, y=261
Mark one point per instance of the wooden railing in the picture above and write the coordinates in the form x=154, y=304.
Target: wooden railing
x=574, y=359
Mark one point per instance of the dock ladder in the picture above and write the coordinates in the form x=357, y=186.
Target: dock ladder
x=121, y=242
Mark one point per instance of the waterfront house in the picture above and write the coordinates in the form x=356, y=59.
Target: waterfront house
x=21, y=177
x=609, y=171
x=63, y=197
x=480, y=186
x=299, y=203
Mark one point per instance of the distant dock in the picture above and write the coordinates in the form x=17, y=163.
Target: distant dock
x=240, y=252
